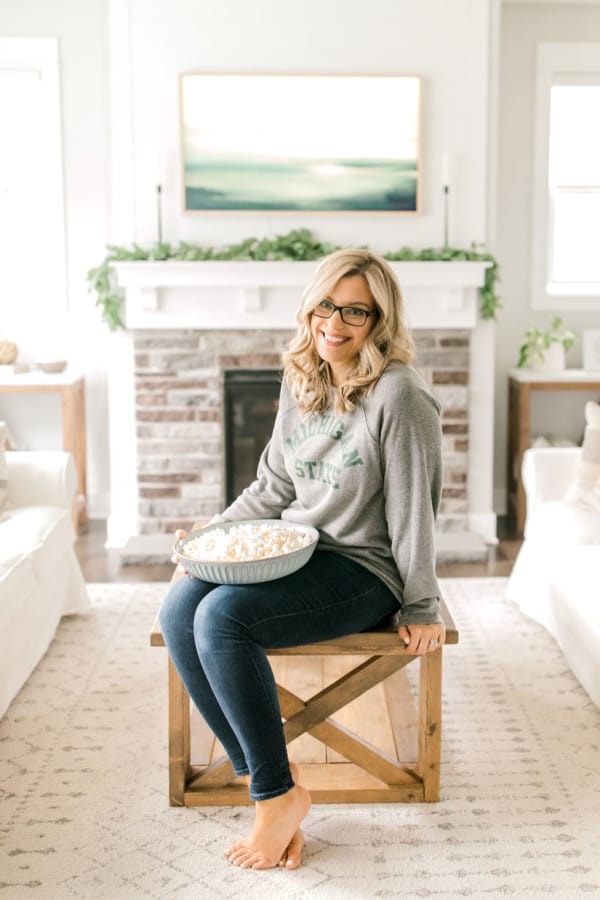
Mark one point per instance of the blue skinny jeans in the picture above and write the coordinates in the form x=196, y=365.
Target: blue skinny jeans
x=217, y=635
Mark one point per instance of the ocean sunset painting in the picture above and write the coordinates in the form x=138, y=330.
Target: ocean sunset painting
x=300, y=143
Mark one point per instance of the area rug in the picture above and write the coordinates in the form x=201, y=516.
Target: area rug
x=83, y=801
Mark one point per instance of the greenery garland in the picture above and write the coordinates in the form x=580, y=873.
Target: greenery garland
x=297, y=245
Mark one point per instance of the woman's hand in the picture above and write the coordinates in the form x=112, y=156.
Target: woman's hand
x=179, y=534
x=421, y=639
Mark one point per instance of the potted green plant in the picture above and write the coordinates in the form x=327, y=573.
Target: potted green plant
x=545, y=349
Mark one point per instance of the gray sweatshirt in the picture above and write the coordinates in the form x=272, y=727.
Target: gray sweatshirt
x=369, y=480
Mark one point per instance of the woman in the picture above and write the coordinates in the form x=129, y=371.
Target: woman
x=356, y=452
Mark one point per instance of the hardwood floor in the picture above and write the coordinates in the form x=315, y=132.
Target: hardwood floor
x=99, y=564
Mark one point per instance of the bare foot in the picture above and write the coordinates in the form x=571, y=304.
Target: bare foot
x=292, y=855
x=276, y=829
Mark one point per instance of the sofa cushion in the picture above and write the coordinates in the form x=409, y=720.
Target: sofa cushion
x=562, y=524
x=575, y=609
x=584, y=492
x=3, y=468
x=41, y=533
x=17, y=580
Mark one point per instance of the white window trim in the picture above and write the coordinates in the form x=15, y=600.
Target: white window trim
x=41, y=54
x=556, y=63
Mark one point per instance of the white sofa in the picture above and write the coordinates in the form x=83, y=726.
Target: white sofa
x=40, y=578
x=556, y=576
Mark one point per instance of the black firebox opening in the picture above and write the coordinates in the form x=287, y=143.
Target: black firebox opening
x=250, y=404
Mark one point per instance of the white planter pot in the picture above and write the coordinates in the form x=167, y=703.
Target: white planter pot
x=554, y=359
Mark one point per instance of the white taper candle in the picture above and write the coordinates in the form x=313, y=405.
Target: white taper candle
x=445, y=179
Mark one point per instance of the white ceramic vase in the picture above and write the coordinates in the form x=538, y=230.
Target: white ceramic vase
x=554, y=359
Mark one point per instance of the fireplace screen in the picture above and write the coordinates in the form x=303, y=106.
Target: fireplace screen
x=251, y=400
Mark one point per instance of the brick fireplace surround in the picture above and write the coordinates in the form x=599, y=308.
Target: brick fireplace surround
x=166, y=396
x=179, y=417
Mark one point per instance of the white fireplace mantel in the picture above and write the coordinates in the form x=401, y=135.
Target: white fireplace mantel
x=236, y=294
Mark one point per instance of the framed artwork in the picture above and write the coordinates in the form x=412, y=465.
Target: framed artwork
x=591, y=351
x=300, y=143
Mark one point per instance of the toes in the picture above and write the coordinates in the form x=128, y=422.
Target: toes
x=234, y=852
x=254, y=861
x=294, y=851
x=246, y=858
x=237, y=854
x=262, y=863
x=241, y=856
x=237, y=846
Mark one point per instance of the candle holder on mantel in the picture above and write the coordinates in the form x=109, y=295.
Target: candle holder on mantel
x=159, y=212
x=446, y=212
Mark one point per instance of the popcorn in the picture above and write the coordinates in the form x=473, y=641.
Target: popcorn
x=245, y=543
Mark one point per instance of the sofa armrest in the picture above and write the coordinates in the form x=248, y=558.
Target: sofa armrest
x=41, y=478
x=547, y=473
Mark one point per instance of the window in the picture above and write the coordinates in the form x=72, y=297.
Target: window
x=33, y=284
x=566, y=219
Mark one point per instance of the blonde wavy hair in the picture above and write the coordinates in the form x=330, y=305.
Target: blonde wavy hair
x=307, y=375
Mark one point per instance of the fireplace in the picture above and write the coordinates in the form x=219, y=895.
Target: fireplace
x=204, y=340
x=250, y=404
x=203, y=416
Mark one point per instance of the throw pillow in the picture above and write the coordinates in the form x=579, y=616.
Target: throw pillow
x=3, y=468
x=585, y=490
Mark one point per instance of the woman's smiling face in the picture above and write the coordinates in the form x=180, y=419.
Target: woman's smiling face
x=338, y=343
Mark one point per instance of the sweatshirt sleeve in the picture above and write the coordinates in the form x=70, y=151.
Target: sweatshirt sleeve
x=271, y=492
x=422, y=612
x=411, y=456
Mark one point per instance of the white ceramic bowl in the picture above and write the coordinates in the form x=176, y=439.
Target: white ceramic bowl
x=52, y=367
x=253, y=571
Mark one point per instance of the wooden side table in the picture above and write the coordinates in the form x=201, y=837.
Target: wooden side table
x=521, y=384
x=72, y=392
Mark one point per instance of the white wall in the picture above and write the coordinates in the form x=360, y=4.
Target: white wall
x=445, y=43
x=523, y=25
x=121, y=61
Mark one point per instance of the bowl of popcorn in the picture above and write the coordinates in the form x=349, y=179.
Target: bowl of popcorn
x=246, y=552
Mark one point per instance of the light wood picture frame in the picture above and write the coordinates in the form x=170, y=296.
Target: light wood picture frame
x=300, y=143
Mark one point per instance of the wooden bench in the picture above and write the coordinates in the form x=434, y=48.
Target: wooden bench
x=382, y=748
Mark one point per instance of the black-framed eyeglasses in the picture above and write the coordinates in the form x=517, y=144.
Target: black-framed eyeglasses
x=351, y=315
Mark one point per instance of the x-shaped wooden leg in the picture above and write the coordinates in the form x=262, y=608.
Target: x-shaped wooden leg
x=312, y=716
